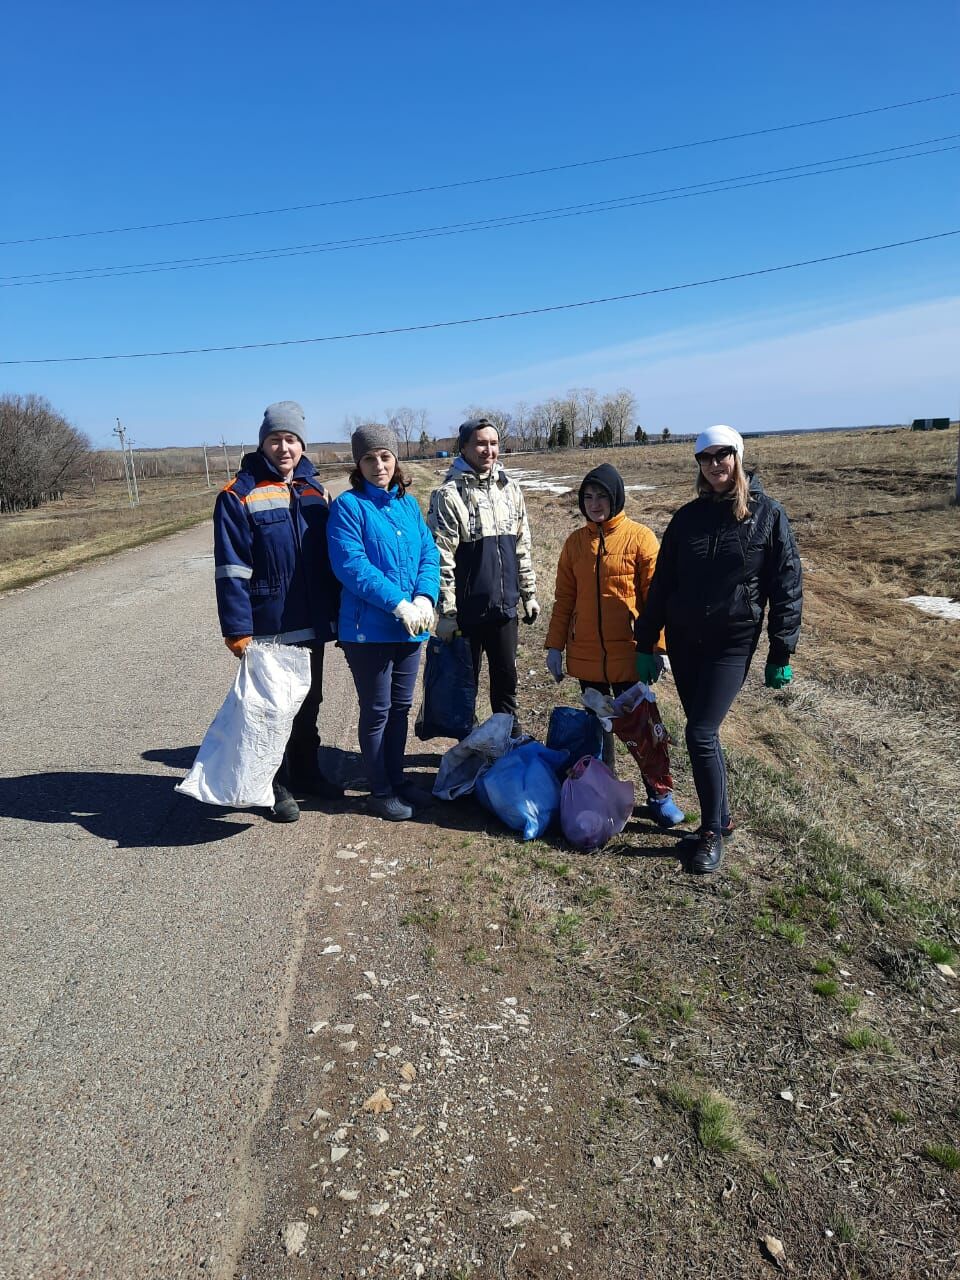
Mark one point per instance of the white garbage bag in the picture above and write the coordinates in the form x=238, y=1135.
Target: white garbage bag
x=461, y=765
x=243, y=748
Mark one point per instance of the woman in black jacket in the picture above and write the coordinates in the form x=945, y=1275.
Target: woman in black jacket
x=725, y=558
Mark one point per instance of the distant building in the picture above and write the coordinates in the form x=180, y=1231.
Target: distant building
x=930, y=424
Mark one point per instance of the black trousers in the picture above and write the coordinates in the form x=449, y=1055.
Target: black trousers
x=301, y=753
x=498, y=640
x=707, y=684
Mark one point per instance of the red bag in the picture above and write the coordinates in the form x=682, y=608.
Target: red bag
x=647, y=741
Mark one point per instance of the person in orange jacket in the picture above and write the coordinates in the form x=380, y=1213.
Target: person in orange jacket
x=603, y=575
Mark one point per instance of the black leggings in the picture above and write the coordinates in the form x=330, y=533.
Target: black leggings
x=707, y=684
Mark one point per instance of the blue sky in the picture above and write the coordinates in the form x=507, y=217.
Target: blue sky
x=120, y=115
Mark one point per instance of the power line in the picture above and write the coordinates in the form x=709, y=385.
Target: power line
x=502, y=315
x=714, y=186
x=499, y=177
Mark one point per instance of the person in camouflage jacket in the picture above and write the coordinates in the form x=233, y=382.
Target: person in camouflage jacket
x=479, y=520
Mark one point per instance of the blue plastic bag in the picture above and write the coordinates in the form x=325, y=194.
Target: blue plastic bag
x=576, y=732
x=522, y=788
x=449, y=691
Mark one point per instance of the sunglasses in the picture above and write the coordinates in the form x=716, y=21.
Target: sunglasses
x=719, y=456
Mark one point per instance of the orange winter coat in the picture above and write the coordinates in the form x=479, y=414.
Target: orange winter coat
x=602, y=581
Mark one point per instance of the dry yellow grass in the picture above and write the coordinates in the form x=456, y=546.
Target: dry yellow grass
x=871, y=726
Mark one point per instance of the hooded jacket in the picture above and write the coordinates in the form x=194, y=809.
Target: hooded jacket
x=272, y=571
x=383, y=553
x=603, y=577
x=480, y=525
x=716, y=576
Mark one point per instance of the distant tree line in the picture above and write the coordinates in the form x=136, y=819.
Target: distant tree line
x=40, y=452
x=581, y=417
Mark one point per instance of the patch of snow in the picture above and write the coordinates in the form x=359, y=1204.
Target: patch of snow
x=533, y=480
x=632, y=488
x=939, y=606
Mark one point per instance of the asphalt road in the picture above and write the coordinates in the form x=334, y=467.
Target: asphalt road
x=149, y=944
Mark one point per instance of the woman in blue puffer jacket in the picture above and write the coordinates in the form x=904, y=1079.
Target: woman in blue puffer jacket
x=385, y=556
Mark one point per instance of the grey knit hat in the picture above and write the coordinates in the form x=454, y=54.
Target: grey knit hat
x=373, y=436
x=285, y=415
x=470, y=426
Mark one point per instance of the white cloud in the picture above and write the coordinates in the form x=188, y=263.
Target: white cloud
x=888, y=367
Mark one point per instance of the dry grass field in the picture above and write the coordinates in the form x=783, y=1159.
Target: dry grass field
x=771, y=1053
x=667, y=1077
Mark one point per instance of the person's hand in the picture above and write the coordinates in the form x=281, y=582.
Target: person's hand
x=425, y=605
x=776, y=675
x=411, y=617
x=446, y=628
x=237, y=644
x=649, y=667
x=555, y=663
x=531, y=610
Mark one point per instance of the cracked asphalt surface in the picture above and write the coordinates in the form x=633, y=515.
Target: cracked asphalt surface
x=149, y=944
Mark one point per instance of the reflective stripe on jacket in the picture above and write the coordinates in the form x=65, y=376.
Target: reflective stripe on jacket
x=482, y=534
x=272, y=572
x=602, y=580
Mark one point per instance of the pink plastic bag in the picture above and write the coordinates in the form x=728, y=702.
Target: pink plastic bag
x=593, y=805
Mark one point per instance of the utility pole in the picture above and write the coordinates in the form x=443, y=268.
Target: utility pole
x=206, y=466
x=226, y=460
x=957, y=495
x=133, y=473
x=129, y=474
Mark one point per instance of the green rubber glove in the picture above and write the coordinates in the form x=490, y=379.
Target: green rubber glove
x=649, y=667
x=776, y=676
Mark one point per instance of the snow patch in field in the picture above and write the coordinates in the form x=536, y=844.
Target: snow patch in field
x=939, y=606
x=534, y=480
x=633, y=488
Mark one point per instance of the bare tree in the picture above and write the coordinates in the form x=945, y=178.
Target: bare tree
x=422, y=419
x=618, y=411
x=39, y=452
x=404, y=422
x=522, y=424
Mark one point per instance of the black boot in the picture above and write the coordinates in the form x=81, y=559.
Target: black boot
x=285, y=808
x=609, y=751
x=707, y=853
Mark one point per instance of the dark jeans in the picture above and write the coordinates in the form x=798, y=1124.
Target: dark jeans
x=609, y=746
x=301, y=753
x=498, y=640
x=385, y=676
x=707, y=684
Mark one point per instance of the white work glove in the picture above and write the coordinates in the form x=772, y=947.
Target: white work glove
x=425, y=605
x=411, y=617
x=446, y=628
x=555, y=663
x=531, y=609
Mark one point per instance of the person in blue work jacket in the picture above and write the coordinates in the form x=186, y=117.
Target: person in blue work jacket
x=274, y=581
x=386, y=559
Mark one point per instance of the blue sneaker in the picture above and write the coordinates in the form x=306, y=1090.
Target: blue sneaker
x=665, y=811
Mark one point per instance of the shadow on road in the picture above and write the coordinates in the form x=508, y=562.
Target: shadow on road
x=179, y=758
x=133, y=810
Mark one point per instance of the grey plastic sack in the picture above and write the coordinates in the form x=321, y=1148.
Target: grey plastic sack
x=462, y=764
x=243, y=748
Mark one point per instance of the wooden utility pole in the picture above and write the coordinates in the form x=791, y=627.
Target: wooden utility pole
x=129, y=471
